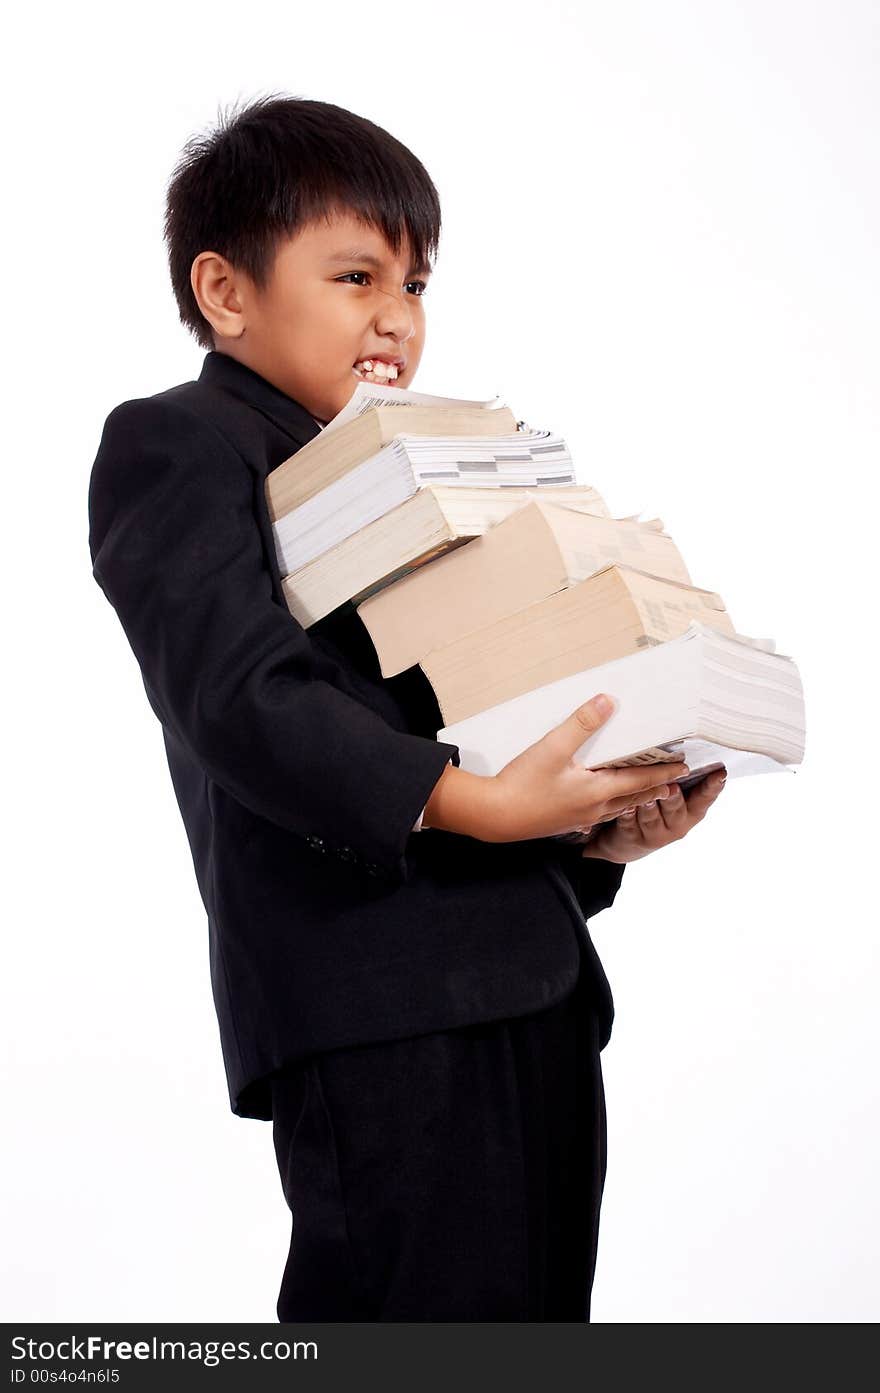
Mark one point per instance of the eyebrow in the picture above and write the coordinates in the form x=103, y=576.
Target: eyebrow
x=356, y=254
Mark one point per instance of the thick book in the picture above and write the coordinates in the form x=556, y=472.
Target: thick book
x=436, y=520
x=541, y=548
x=704, y=696
x=614, y=612
x=390, y=476
x=369, y=422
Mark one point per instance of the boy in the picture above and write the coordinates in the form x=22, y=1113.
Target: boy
x=399, y=956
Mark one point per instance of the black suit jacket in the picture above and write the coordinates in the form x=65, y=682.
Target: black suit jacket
x=299, y=770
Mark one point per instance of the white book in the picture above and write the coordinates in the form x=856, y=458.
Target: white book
x=365, y=493
x=703, y=697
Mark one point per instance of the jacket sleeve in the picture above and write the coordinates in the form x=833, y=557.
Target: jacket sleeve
x=595, y=882
x=177, y=550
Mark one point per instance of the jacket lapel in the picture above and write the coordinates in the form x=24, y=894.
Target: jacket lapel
x=220, y=370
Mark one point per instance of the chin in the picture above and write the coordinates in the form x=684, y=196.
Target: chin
x=326, y=410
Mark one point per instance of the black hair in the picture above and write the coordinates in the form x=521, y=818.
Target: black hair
x=276, y=165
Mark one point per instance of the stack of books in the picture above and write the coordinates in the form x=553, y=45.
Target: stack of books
x=467, y=546
x=397, y=479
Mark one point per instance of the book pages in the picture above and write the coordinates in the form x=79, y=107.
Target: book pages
x=702, y=685
x=367, y=394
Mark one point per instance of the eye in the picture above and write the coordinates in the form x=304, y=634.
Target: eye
x=422, y=285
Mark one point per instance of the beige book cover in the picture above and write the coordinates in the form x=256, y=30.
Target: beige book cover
x=539, y=549
x=617, y=611
x=332, y=454
x=436, y=520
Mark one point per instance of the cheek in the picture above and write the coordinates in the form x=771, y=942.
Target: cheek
x=413, y=351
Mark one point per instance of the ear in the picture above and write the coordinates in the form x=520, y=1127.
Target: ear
x=220, y=293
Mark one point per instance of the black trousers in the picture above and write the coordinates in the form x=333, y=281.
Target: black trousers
x=453, y=1176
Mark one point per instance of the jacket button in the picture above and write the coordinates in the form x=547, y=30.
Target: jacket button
x=345, y=853
x=317, y=844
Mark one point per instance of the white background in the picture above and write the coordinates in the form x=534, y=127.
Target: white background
x=660, y=238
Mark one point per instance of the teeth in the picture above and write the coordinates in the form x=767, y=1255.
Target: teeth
x=376, y=371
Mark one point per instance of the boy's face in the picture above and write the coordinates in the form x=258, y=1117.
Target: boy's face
x=336, y=295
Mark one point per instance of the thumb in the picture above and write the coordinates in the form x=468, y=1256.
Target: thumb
x=582, y=723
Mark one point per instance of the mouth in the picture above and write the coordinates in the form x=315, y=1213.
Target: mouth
x=378, y=371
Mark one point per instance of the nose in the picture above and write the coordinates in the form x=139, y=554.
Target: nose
x=394, y=317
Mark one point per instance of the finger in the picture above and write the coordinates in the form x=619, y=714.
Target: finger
x=646, y=809
x=702, y=796
x=674, y=810
x=705, y=792
x=648, y=814
x=628, y=785
x=641, y=796
x=571, y=733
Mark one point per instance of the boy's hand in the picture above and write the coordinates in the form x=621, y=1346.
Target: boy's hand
x=637, y=831
x=543, y=792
